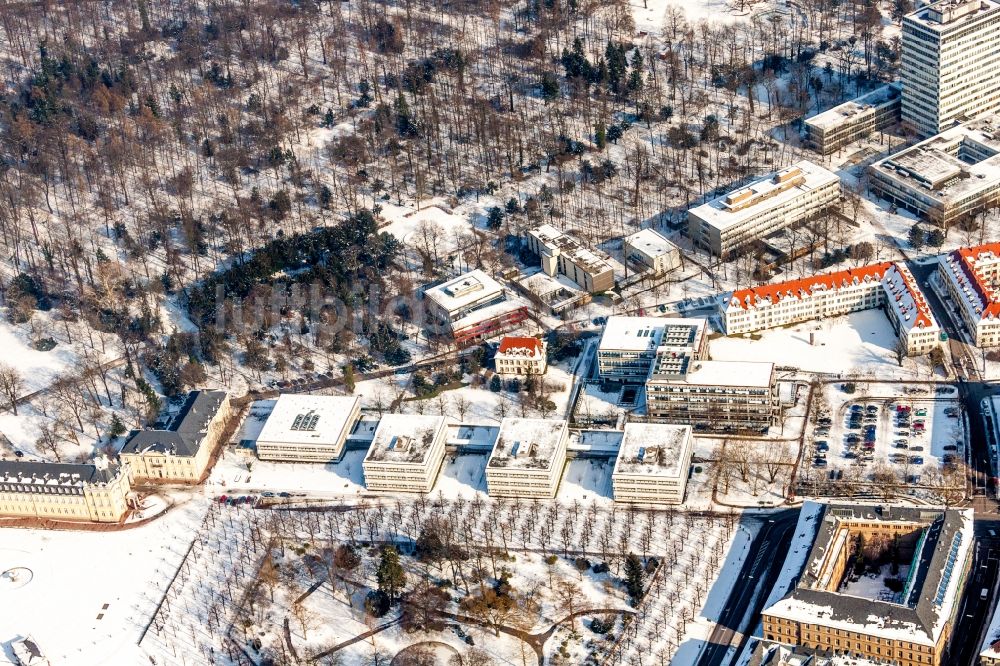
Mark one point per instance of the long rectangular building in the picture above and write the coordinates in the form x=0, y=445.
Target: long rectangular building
x=946, y=177
x=831, y=130
x=748, y=214
x=308, y=428
x=528, y=458
x=96, y=492
x=472, y=307
x=888, y=285
x=971, y=275
x=950, y=63
x=561, y=254
x=652, y=464
x=406, y=454
x=629, y=345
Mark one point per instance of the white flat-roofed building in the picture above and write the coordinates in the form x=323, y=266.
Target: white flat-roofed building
x=528, y=458
x=852, y=121
x=561, y=254
x=406, y=454
x=745, y=215
x=950, y=63
x=652, y=464
x=652, y=251
x=947, y=177
x=722, y=396
x=472, y=307
x=629, y=344
x=308, y=428
x=971, y=276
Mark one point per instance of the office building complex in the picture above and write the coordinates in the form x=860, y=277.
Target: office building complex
x=629, y=344
x=562, y=254
x=528, y=458
x=744, y=216
x=653, y=464
x=950, y=63
x=308, y=428
x=925, y=550
x=651, y=252
x=472, y=308
x=971, y=275
x=181, y=450
x=888, y=285
x=97, y=492
x=406, y=453
x=831, y=130
x=943, y=179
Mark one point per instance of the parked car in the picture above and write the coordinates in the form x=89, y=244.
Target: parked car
x=822, y=446
x=267, y=494
x=819, y=462
x=921, y=412
x=917, y=449
x=950, y=447
x=900, y=443
x=284, y=494
x=916, y=460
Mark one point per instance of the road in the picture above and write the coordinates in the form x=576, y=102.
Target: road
x=975, y=611
x=743, y=608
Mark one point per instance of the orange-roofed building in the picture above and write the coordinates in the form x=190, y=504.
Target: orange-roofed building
x=972, y=277
x=521, y=356
x=885, y=285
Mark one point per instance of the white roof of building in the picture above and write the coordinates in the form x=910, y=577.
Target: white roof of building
x=728, y=373
x=464, y=290
x=528, y=443
x=848, y=110
x=404, y=438
x=905, y=298
x=651, y=243
x=723, y=215
x=655, y=449
x=560, y=242
x=642, y=333
x=949, y=14
x=308, y=419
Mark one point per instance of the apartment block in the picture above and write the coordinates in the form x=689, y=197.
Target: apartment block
x=180, y=451
x=561, y=254
x=629, y=345
x=830, y=611
x=947, y=177
x=472, y=307
x=831, y=130
x=528, y=458
x=744, y=216
x=406, y=454
x=97, y=492
x=653, y=463
x=971, y=276
x=652, y=252
x=950, y=64
x=716, y=396
x=886, y=285
x=521, y=356
x=308, y=428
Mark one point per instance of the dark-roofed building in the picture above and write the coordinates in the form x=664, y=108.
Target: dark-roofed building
x=97, y=491
x=181, y=450
x=880, y=583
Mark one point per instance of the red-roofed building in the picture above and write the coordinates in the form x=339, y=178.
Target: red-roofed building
x=888, y=285
x=521, y=356
x=972, y=277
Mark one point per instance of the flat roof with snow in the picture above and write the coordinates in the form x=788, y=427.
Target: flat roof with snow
x=655, y=449
x=310, y=419
x=947, y=15
x=404, y=438
x=650, y=242
x=769, y=192
x=724, y=373
x=879, y=97
x=528, y=443
x=464, y=290
x=649, y=333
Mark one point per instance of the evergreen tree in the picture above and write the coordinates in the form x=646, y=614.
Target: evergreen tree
x=495, y=384
x=390, y=575
x=117, y=427
x=916, y=237
x=494, y=217
x=635, y=77
x=634, y=577
x=550, y=87
x=600, y=136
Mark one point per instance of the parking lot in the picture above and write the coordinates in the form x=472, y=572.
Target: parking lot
x=909, y=430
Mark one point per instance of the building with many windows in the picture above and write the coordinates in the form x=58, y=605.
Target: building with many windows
x=715, y=396
x=927, y=551
x=831, y=130
x=98, y=492
x=181, y=450
x=629, y=344
x=971, y=276
x=308, y=428
x=947, y=177
x=527, y=458
x=652, y=252
x=520, y=356
x=950, y=63
x=561, y=254
x=888, y=285
x=653, y=464
x=472, y=307
x=406, y=454
x=748, y=214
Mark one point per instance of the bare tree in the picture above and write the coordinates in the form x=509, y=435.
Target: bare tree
x=11, y=385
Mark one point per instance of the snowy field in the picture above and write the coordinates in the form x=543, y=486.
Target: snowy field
x=90, y=594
